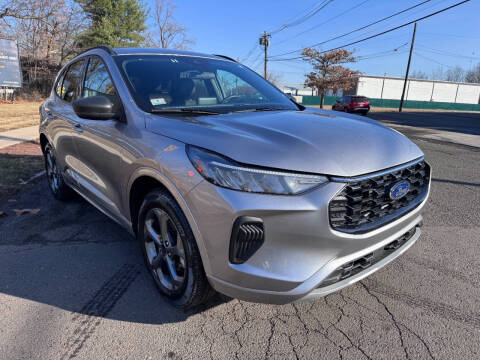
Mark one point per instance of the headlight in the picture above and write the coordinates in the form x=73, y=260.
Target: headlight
x=226, y=173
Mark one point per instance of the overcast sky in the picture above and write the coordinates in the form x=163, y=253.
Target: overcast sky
x=232, y=28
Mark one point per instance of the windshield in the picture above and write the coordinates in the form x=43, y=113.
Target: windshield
x=168, y=82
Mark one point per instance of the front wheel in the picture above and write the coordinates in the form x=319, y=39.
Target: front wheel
x=170, y=251
x=57, y=184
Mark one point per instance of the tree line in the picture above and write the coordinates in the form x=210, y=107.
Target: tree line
x=455, y=74
x=50, y=32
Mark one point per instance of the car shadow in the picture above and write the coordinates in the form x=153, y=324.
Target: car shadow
x=71, y=256
x=460, y=122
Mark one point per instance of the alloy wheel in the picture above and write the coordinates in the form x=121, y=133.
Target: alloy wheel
x=165, y=251
x=53, y=173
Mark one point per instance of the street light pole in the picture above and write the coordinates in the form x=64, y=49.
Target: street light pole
x=408, y=68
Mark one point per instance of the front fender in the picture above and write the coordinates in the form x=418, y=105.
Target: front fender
x=174, y=191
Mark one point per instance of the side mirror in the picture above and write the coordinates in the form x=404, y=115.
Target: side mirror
x=95, y=108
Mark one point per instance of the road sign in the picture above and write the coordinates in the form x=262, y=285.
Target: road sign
x=10, y=75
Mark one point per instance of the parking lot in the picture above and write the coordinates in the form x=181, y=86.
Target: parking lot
x=73, y=283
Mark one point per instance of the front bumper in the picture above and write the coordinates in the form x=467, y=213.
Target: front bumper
x=300, y=249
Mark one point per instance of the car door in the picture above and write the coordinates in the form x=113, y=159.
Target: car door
x=62, y=120
x=101, y=153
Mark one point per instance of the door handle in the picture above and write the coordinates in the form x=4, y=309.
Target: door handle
x=78, y=128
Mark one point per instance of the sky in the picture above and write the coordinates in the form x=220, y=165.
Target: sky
x=232, y=28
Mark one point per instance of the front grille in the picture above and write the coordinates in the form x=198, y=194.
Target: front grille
x=364, y=205
x=247, y=237
x=354, y=267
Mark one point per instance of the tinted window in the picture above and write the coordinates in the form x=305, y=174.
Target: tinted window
x=71, y=83
x=359, y=98
x=98, y=81
x=232, y=85
x=59, y=87
x=159, y=82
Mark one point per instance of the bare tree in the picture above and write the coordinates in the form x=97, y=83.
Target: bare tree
x=438, y=74
x=274, y=78
x=48, y=32
x=17, y=9
x=168, y=32
x=418, y=74
x=456, y=74
x=328, y=74
x=473, y=75
x=45, y=31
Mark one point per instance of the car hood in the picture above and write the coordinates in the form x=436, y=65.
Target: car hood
x=313, y=141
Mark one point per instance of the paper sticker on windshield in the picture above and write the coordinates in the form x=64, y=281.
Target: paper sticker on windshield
x=158, y=101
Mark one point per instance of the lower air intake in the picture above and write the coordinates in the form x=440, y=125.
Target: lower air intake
x=247, y=237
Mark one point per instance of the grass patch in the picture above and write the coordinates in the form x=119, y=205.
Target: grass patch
x=14, y=168
x=14, y=116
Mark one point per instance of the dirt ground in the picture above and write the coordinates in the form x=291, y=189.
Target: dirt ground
x=17, y=115
x=18, y=163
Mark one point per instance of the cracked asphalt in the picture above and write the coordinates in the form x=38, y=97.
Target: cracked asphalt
x=73, y=285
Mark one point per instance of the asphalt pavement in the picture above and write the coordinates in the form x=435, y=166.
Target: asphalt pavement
x=73, y=285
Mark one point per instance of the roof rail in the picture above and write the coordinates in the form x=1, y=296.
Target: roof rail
x=225, y=57
x=106, y=48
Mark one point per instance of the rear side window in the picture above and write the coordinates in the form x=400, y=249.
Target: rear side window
x=72, y=81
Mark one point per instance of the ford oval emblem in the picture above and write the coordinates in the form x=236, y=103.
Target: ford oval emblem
x=399, y=190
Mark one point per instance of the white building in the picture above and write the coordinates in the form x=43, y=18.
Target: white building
x=379, y=87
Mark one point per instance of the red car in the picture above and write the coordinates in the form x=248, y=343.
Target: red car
x=353, y=104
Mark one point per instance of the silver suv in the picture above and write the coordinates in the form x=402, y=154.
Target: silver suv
x=228, y=184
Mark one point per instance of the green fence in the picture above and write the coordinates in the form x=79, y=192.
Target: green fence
x=407, y=104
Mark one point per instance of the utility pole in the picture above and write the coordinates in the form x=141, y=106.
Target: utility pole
x=264, y=40
x=408, y=68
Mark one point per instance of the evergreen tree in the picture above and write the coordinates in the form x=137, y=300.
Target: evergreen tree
x=118, y=23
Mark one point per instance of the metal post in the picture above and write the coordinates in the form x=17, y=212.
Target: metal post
x=408, y=67
x=456, y=93
x=383, y=84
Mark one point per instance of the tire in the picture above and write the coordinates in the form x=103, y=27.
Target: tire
x=60, y=190
x=171, y=253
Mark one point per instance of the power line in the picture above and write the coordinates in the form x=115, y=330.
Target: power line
x=303, y=18
x=432, y=60
x=250, y=53
x=380, y=33
x=323, y=23
x=446, y=53
x=452, y=35
x=362, y=27
x=367, y=56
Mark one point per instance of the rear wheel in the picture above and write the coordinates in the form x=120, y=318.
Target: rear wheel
x=170, y=251
x=57, y=184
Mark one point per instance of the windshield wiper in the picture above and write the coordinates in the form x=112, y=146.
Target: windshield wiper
x=184, y=111
x=262, y=109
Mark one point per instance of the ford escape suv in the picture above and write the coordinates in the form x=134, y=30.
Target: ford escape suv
x=226, y=183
